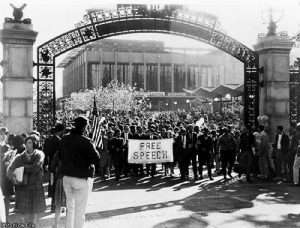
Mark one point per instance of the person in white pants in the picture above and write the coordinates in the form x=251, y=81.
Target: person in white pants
x=78, y=157
x=77, y=191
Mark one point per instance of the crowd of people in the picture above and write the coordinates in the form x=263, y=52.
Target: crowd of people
x=71, y=159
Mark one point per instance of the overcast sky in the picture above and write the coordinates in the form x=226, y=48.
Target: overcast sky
x=241, y=19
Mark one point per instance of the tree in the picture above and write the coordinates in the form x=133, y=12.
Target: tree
x=115, y=96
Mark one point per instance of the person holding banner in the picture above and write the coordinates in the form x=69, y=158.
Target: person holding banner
x=138, y=168
x=151, y=168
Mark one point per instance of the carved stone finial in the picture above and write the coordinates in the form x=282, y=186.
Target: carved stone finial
x=272, y=25
x=272, y=28
x=18, y=12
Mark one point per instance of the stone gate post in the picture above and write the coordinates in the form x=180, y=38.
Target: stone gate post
x=17, y=38
x=274, y=54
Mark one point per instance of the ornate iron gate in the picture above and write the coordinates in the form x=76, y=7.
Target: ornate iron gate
x=99, y=24
x=294, y=95
x=251, y=92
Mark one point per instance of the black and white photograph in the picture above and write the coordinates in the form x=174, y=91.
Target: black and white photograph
x=149, y=114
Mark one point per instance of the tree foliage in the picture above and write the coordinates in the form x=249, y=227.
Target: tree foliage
x=115, y=96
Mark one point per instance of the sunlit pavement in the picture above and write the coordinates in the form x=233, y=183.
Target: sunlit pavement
x=164, y=202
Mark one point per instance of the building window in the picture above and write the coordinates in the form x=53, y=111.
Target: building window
x=108, y=73
x=166, y=77
x=94, y=76
x=193, y=75
x=151, y=77
x=123, y=73
x=179, y=77
x=138, y=76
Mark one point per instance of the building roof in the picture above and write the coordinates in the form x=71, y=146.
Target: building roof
x=200, y=92
x=120, y=45
x=220, y=91
x=71, y=55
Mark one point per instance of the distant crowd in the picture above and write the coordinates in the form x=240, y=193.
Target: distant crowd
x=71, y=157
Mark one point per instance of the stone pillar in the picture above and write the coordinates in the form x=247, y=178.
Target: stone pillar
x=145, y=72
x=130, y=72
x=172, y=78
x=17, y=39
x=274, y=90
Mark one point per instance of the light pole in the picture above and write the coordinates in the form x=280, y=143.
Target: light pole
x=229, y=97
x=175, y=103
x=188, y=103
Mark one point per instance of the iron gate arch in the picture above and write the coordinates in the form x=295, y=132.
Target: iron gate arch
x=98, y=24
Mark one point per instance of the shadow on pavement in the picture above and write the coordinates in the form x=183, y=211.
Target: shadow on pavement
x=230, y=199
x=180, y=223
x=213, y=197
x=149, y=183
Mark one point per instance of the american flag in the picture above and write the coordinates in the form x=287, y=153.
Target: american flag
x=96, y=126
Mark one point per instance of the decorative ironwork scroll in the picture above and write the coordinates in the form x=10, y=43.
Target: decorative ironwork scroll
x=251, y=92
x=99, y=24
x=294, y=95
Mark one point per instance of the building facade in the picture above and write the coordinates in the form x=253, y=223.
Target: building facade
x=149, y=66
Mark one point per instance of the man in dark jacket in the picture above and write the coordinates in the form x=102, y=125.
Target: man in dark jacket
x=126, y=135
x=191, y=140
x=281, y=149
x=227, y=148
x=78, y=156
x=51, y=147
x=205, y=153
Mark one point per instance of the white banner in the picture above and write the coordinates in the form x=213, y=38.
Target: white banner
x=150, y=151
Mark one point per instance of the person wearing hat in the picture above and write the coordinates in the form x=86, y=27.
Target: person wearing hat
x=78, y=157
x=51, y=147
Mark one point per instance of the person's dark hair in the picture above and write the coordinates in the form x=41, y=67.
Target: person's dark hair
x=24, y=135
x=4, y=130
x=80, y=123
x=18, y=141
x=34, y=140
x=280, y=128
x=10, y=139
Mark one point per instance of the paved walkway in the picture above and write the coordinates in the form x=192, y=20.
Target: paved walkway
x=164, y=202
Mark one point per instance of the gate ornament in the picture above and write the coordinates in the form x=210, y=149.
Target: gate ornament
x=172, y=19
x=18, y=14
